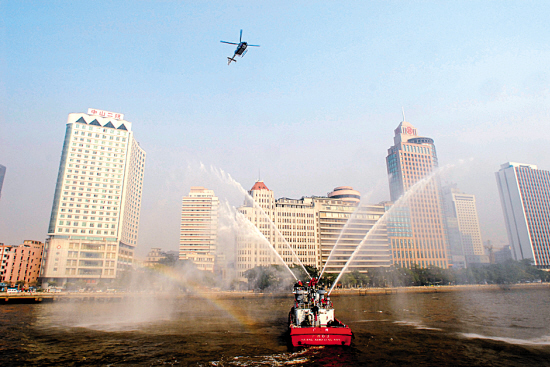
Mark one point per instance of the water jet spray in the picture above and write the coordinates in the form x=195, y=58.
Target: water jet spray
x=227, y=178
x=406, y=196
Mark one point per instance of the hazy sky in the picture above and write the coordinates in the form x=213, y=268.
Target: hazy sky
x=311, y=109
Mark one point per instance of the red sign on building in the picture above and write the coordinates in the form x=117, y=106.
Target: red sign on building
x=114, y=115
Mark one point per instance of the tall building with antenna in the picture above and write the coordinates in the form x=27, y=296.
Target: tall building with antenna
x=525, y=197
x=94, y=221
x=416, y=228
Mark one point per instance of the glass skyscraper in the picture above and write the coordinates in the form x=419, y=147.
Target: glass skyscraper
x=416, y=230
x=525, y=197
x=94, y=221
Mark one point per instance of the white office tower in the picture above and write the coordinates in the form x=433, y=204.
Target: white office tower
x=94, y=222
x=525, y=198
x=465, y=243
x=255, y=246
x=199, y=228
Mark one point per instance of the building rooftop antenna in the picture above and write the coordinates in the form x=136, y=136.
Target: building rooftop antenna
x=403, y=109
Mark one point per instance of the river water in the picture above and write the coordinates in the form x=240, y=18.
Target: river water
x=463, y=328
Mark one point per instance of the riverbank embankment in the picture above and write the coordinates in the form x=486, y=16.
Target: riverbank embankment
x=435, y=289
x=45, y=297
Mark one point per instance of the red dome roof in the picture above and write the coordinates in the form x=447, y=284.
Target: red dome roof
x=259, y=185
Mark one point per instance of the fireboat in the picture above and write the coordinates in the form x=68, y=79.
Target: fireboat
x=311, y=319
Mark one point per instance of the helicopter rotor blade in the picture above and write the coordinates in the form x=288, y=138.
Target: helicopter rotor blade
x=230, y=43
x=241, y=37
x=254, y=45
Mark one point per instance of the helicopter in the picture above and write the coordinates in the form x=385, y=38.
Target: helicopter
x=241, y=48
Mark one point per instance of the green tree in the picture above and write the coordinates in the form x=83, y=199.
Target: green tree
x=310, y=271
x=273, y=277
x=401, y=277
x=348, y=280
x=260, y=277
x=328, y=279
x=379, y=277
x=169, y=260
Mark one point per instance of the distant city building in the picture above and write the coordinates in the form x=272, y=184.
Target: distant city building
x=2, y=174
x=525, y=197
x=199, y=227
x=346, y=193
x=94, y=222
x=154, y=256
x=202, y=261
x=306, y=230
x=345, y=225
x=503, y=255
x=157, y=256
x=464, y=233
x=416, y=227
x=21, y=263
x=283, y=227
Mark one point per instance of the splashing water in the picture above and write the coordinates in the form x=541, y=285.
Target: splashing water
x=403, y=199
x=352, y=217
x=225, y=177
x=242, y=221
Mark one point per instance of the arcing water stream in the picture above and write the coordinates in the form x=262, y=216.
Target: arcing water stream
x=241, y=219
x=223, y=176
x=349, y=221
x=401, y=201
x=419, y=185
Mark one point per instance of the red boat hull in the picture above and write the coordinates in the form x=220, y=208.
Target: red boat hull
x=304, y=336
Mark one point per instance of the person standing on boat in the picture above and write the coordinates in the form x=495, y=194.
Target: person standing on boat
x=315, y=312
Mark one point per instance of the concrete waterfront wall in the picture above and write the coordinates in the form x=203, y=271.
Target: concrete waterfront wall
x=39, y=297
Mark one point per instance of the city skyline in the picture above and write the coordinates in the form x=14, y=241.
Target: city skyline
x=311, y=108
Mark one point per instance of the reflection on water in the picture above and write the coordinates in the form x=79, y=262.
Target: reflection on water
x=500, y=327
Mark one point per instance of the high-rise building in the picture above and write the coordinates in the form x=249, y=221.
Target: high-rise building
x=346, y=193
x=525, y=197
x=199, y=228
x=342, y=226
x=2, y=174
x=503, y=255
x=94, y=222
x=276, y=227
x=415, y=227
x=306, y=230
x=464, y=233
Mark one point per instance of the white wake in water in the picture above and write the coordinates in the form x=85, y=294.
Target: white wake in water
x=416, y=325
x=543, y=340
